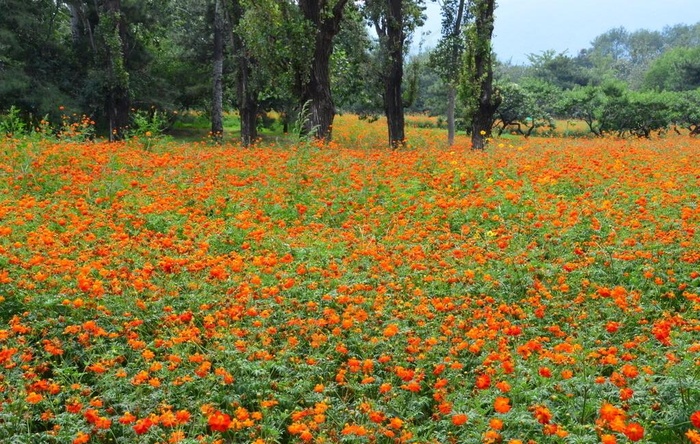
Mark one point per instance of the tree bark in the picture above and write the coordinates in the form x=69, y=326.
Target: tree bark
x=317, y=90
x=245, y=91
x=217, y=103
x=486, y=103
x=117, y=100
x=451, y=104
x=451, y=87
x=247, y=103
x=393, y=100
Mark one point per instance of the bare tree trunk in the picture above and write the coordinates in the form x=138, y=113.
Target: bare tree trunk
x=117, y=101
x=317, y=90
x=393, y=100
x=245, y=92
x=247, y=103
x=451, y=100
x=75, y=22
x=217, y=103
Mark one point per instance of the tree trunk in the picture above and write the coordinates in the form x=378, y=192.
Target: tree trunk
x=245, y=91
x=393, y=100
x=486, y=103
x=317, y=90
x=217, y=103
x=117, y=101
x=247, y=103
x=451, y=99
x=75, y=22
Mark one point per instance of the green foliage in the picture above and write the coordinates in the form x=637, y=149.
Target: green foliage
x=526, y=108
x=352, y=68
x=558, y=69
x=638, y=113
x=685, y=109
x=676, y=70
x=12, y=124
x=585, y=103
x=276, y=24
x=149, y=123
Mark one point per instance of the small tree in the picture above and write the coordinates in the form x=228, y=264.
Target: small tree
x=585, y=103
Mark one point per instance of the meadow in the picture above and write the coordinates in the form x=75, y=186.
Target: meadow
x=543, y=291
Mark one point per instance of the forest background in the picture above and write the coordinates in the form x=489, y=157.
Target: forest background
x=126, y=65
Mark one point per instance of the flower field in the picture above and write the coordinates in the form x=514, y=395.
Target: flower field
x=545, y=291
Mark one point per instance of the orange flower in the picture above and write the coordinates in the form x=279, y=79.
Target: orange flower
x=395, y=423
x=391, y=330
x=693, y=436
x=459, y=419
x=127, y=418
x=81, y=438
x=483, y=381
x=218, y=421
x=695, y=419
x=501, y=405
x=634, y=431
x=34, y=398
x=608, y=439
x=542, y=414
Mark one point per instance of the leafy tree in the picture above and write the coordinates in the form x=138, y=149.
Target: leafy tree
x=676, y=70
x=685, y=110
x=279, y=76
x=637, y=113
x=526, y=108
x=558, y=69
x=325, y=17
x=682, y=35
x=247, y=89
x=446, y=58
x=36, y=68
x=352, y=69
x=585, y=103
x=477, y=86
x=394, y=21
x=217, y=108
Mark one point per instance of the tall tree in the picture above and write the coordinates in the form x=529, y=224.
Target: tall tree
x=111, y=40
x=477, y=87
x=36, y=74
x=326, y=17
x=447, y=56
x=394, y=21
x=217, y=103
x=246, y=90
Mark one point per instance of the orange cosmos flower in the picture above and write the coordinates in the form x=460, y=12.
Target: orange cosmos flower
x=608, y=439
x=542, y=414
x=391, y=330
x=34, y=398
x=501, y=405
x=483, y=381
x=218, y=421
x=459, y=419
x=634, y=431
x=693, y=436
x=695, y=419
x=81, y=438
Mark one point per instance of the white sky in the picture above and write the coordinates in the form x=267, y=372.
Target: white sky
x=531, y=26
